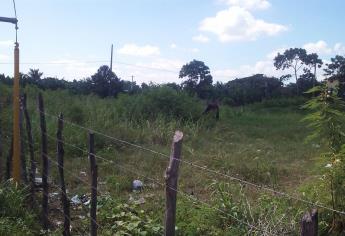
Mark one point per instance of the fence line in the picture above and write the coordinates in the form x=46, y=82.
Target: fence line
x=70, y=173
x=126, y=169
x=230, y=177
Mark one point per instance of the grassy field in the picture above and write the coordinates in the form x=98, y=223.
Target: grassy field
x=261, y=143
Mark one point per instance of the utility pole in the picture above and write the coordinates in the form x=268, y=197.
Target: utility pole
x=111, y=58
x=16, y=109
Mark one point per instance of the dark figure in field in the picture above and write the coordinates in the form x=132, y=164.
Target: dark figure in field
x=212, y=107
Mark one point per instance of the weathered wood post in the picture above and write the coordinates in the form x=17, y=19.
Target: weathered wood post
x=32, y=174
x=44, y=162
x=171, y=176
x=309, y=223
x=93, y=172
x=22, y=144
x=60, y=156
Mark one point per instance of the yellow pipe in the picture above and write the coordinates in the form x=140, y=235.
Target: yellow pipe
x=16, y=110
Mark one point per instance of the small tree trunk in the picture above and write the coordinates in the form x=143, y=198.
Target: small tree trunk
x=171, y=176
x=44, y=162
x=22, y=143
x=297, y=86
x=93, y=171
x=32, y=174
x=60, y=156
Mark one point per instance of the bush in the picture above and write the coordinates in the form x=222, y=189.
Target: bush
x=160, y=102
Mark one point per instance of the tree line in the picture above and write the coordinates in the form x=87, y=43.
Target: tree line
x=196, y=80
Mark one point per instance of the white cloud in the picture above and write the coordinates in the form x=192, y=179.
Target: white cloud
x=201, y=38
x=173, y=46
x=164, y=64
x=275, y=52
x=339, y=48
x=159, y=70
x=322, y=48
x=264, y=66
x=238, y=24
x=135, y=50
x=249, y=4
x=69, y=69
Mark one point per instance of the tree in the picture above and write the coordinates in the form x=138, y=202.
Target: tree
x=199, y=79
x=251, y=89
x=309, y=79
x=105, y=83
x=336, y=70
x=336, y=67
x=294, y=58
x=34, y=75
x=313, y=62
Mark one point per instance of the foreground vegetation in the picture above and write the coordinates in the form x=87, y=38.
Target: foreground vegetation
x=262, y=143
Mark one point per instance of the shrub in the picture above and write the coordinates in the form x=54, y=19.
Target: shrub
x=160, y=102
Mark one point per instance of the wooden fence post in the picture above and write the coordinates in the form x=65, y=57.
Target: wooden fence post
x=44, y=162
x=171, y=176
x=309, y=223
x=60, y=156
x=22, y=143
x=32, y=174
x=93, y=172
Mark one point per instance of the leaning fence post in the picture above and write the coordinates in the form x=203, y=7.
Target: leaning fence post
x=93, y=168
x=171, y=176
x=22, y=143
x=32, y=174
x=309, y=223
x=44, y=162
x=60, y=156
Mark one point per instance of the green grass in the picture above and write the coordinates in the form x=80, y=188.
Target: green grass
x=261, y=143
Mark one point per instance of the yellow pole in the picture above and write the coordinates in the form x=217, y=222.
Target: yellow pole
x=16, y=110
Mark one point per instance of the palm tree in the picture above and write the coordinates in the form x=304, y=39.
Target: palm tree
x=34, y=75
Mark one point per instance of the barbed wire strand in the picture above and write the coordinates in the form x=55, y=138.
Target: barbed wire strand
x=55, y=185
x=70, y=172
x=205, y=168
x=163, y=185
x=153, y=180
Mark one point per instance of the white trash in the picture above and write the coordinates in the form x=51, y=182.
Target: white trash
x=137, y=185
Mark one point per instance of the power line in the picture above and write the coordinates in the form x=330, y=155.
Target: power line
x=56, y=63
x=91, y=62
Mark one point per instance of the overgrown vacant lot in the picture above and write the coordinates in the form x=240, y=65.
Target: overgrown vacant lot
x=261, y=143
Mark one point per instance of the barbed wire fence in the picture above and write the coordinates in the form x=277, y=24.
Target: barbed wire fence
x=169, y=183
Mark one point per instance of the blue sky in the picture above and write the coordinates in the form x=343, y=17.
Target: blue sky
x=154, y=38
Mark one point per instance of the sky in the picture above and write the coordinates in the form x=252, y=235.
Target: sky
x=153, y=39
